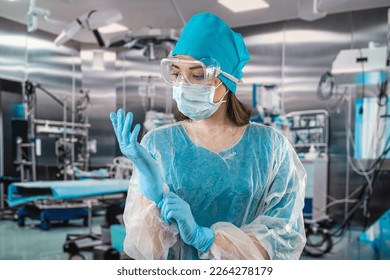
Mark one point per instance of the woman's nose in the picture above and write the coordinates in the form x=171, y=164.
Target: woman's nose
x=181, y=79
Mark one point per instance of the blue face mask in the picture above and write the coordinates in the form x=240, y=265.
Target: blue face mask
x=196, y=102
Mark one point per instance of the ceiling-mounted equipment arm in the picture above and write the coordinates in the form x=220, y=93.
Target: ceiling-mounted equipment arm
x=92, y=21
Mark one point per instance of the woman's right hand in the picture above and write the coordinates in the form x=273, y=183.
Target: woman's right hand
x=150, y=177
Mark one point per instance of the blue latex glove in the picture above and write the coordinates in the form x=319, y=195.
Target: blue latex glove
x=150, y=177
x=174, y=209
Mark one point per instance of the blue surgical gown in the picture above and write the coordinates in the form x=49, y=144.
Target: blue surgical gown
x=254, y=190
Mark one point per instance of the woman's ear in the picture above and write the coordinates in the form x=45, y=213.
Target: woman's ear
x=221, y=86
x=220, y=90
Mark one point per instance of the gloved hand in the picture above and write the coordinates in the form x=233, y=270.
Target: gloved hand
x=176, y=210
x=150, y=177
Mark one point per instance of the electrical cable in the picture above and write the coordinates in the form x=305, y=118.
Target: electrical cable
x=326, y=83
x=319, y=248
x=367, y=205
x=366, y=190
x=326, y=79
x=360, y=170
x=382, y=87
x=379, y=117
x=372, y=169
x=335, y=108
x=363, y=199
x=363, y=79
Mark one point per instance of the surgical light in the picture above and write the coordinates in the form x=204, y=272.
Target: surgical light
x=92, y=21
x=113, y=28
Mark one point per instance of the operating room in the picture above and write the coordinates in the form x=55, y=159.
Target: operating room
x=315, y=75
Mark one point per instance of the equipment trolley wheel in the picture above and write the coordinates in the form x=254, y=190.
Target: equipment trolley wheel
x=76, y=257
x=85, y=222
x=112, y=254
x=21, y=221
x=45, y=224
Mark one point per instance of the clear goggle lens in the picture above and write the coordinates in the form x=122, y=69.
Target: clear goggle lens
x=193, y=72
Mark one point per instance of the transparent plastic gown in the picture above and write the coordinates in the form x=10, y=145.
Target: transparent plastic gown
x=251, y=193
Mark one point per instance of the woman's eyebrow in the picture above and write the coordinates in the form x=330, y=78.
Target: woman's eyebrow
x=195, y=67
x=191, y=68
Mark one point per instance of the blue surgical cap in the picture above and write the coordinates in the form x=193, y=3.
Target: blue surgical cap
x=206, y=35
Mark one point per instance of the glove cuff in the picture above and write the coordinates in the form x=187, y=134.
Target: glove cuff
x=204, y=238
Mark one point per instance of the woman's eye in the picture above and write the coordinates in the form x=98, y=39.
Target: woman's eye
x=198, y=76
x=175, y=74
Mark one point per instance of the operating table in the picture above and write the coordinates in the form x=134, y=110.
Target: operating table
x=60, y=200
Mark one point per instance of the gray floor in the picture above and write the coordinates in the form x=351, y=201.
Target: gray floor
x=349, y=247
x=30, y=242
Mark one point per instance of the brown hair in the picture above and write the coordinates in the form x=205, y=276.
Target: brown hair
x=237, y=112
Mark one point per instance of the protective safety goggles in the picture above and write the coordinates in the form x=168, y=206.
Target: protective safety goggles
x=192, y=72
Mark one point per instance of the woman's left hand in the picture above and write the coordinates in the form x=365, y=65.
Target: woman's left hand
x=174, y=209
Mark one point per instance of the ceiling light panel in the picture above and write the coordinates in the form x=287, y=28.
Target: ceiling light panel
x=238, y=6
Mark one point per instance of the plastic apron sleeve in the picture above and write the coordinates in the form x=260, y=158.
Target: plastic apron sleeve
x=147, y=236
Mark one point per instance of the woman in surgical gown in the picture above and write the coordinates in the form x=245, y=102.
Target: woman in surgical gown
x=230, y=189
